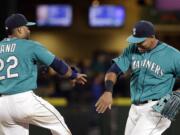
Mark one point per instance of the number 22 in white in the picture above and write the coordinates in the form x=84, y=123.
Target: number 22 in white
x=11, y=66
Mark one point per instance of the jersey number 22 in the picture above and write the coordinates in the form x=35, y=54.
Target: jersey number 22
x=13, y=64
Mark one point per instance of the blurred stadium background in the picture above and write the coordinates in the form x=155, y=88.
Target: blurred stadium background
x=89, y=33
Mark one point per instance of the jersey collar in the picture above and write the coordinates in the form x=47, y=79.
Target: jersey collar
x=159, y=46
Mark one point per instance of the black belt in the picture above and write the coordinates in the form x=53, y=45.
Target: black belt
x=144, y=102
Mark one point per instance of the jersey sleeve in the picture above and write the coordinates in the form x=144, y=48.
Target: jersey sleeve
x=124, y=60
x=42, y=54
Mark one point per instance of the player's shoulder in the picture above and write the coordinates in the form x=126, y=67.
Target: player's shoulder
x=23, y=42
x=170, y=48
x=131, y=48
x=28, y=42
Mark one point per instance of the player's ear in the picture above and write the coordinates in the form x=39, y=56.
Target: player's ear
x=151, y=37
x=19, y=30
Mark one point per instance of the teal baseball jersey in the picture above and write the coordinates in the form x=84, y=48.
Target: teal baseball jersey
x=153, y=73
x=18, y=64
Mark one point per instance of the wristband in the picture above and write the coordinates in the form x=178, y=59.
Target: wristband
x=109, y=85
x=74, y=73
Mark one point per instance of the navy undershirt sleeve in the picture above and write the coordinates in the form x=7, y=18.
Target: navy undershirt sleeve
x=59, y=66
x=114, y=68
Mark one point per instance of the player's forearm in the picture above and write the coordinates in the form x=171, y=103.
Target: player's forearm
x=71, y=73
x=68, y=73
x=63, y=69
x=110, y=80
x=111, y=77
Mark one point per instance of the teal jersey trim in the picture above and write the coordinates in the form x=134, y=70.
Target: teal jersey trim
x=153, y=73
x=18, y=61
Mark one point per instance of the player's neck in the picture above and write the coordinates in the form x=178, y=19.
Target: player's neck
x=12, y=36
x=16, y=36
x=154, y=44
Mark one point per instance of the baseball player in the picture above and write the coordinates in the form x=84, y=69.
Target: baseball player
x=19, y=106
x=154, y=66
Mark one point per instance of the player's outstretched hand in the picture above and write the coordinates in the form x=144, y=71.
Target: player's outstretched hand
x=104, y=102
x=80, y=79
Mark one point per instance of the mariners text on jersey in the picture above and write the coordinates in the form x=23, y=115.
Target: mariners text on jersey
x=7, y=48
x=136, y=64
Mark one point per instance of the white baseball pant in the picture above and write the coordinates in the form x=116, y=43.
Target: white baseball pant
x=19, y=110
x=142, y=120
